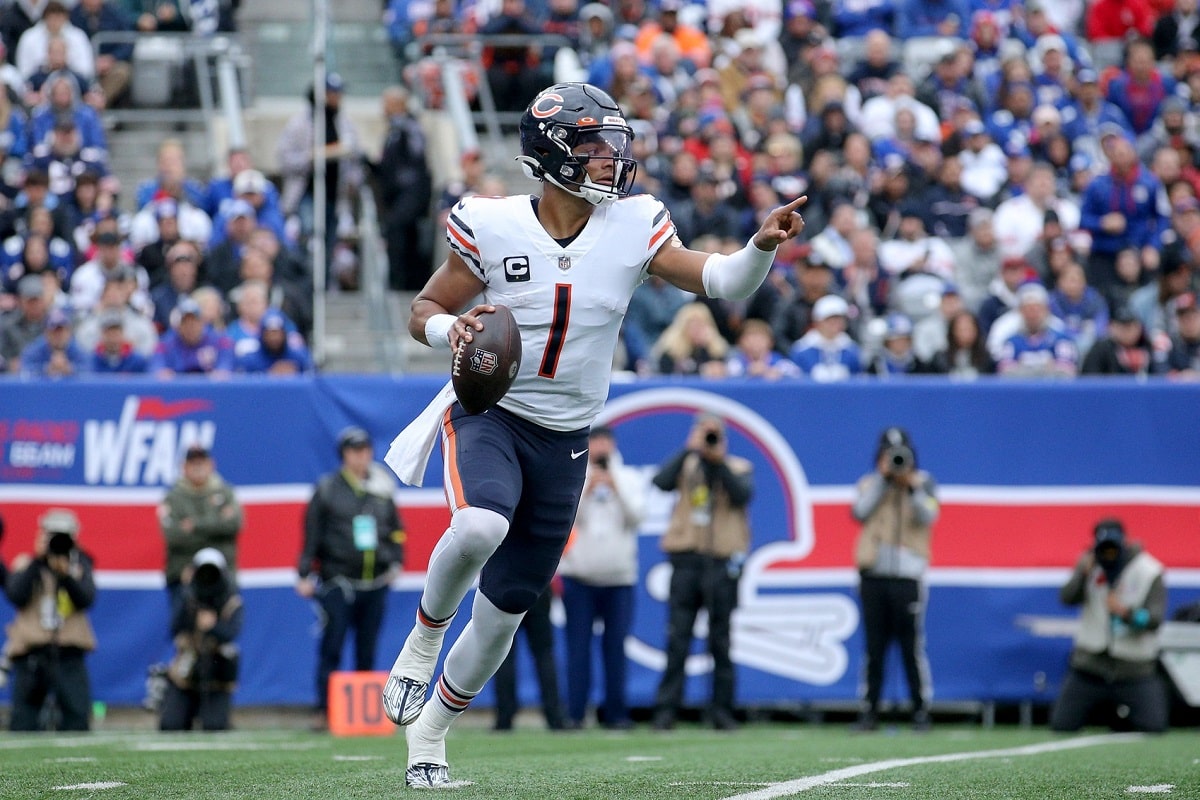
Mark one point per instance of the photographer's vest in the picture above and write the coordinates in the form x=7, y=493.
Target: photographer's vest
x=1098, y=632
x=891, y=523
x=704, y=520
x=27, y=632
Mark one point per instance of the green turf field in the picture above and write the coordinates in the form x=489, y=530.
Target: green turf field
x=760, y=761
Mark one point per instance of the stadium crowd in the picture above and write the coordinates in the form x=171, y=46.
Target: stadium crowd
x=995, y=186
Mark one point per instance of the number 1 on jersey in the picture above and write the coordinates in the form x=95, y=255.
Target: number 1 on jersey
x=558, y=331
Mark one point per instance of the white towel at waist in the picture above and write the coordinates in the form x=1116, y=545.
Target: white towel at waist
x=410, y=450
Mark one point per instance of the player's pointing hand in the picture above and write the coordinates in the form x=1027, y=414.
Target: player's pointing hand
x=780, y=225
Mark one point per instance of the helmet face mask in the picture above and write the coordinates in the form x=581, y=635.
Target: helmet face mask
x=569, y=126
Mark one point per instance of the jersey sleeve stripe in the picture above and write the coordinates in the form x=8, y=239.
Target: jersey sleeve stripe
x=462, y=225
x=658, y=217
x=667, y=229
x=464, y=237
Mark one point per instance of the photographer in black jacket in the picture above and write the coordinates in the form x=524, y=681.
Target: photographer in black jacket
x=50, y=634
x=207, y=620
x=354, y=541
x=897, y=505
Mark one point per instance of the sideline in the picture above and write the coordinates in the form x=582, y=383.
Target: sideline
x=798, y=785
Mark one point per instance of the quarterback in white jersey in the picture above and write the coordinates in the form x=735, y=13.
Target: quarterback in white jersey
x=566, y=264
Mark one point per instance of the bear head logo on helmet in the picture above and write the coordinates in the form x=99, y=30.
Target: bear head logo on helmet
x=570, y=125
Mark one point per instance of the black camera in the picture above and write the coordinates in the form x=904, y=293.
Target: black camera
x=60, y=544
x=601, y=462
x=712, y=438
x=900, y=458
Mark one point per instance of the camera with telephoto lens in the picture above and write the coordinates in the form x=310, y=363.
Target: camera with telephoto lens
x=712, y=438
x=60, y=543
x=899, y=458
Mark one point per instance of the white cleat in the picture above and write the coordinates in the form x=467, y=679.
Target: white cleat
x=407, y=686
x=428, y=776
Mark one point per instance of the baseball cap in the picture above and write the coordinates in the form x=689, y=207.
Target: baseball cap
x=747, y=38
x=196, y=451
x=1123, y=313
x=111, y=318
x=166, y=207
x=108, y=237
x=353, y=436
x=250, y=181
x=273, y=320
x=187, y=305
x=898, y=325
x=59, y=520
x=1086, y=75
x=209, y=556
x=30, y=286
x=241, y=208
x=799, y=8
x=1109, y=531
x=1033, y=293
x=830, y=306
x=1017, y=148
x=1110, y=129
x=950, y=288
x=334, y=82
x=1186, y=302
x=58, y=318
x=973, y=128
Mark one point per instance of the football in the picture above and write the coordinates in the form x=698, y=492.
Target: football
x=483, y=369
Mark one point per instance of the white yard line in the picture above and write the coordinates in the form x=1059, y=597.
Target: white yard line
x=77, y=787
x=788, y=788
x=1158, y=788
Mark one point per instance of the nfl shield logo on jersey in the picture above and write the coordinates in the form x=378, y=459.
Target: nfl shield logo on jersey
x=564, y=263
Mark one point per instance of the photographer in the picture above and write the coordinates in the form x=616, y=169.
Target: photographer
x=206, y=622
x=897, y=505
x=706, y=540
x=1115, y=659
x=50, y=633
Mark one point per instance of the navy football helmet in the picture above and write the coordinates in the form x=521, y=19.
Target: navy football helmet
x=569, y=125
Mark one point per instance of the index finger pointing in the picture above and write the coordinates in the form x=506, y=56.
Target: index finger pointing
x=792, y=206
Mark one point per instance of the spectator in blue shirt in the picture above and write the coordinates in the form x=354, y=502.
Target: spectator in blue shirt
x=1090, y=111
x=277, y=353
x=113, y=59
x=115, y=354
x=932, y=18
x=191, y=347
x=1037, y=349
x=1124, y=207
x=827, y=353
x=54, y=354
x=1140, y=88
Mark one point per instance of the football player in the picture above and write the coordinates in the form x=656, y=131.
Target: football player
x=566, y=264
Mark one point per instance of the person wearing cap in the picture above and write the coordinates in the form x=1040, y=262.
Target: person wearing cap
x=277, y=353
x=223, y=261
x=1114, y=661
x=897, y=356
x=111, y=257
x=114, y=353
x=827, y=353
x=116, y=298
x=55, y=354
x=50, y=635
x=205, y=625
x=295, y=154
x=200, y=510
x=1121, y=208
x=985, y=166
x=250, y=187
x=1124, y=349
x=192, y=346
x=181, y=267
x=706, y=542
x=22, y=325
x=896, y=504
x=353, y=548
x=1038, y=349
x=1183, y=361
x=62, y=96
x=1088, y=113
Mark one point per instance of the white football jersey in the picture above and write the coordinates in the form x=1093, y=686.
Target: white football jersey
x=568, y=301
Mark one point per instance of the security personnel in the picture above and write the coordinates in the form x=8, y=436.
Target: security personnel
x=1115, y=658
x=706, y=542
x=354, y=541
x=50, y=634
x=897, y=506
